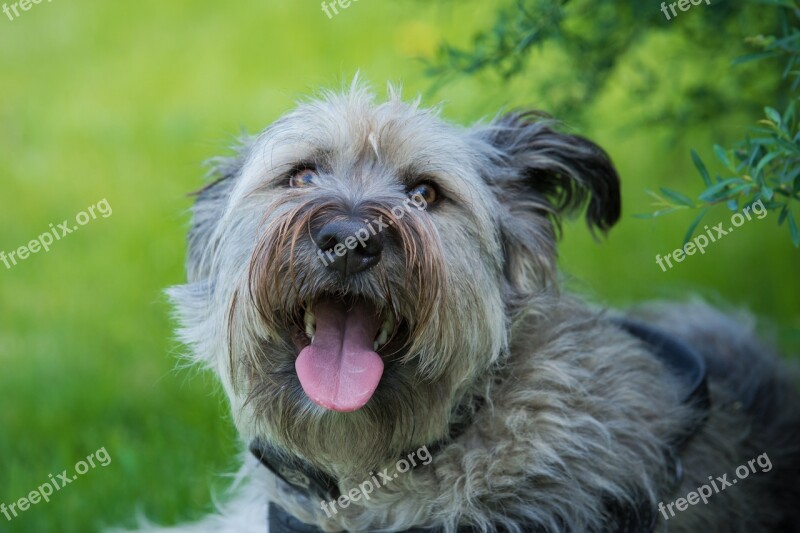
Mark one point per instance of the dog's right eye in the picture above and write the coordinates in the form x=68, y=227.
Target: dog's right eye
x=303, y=178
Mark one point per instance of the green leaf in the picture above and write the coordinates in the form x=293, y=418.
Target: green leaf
x=791, y=176
x=701, y=168
x=722, y=155
x=789, y=113
x=717, y=191
x=789, y=147
x=793, y=230
x=782, y=216
x=773, y=115
x=738, y=189
x=754, y=151
x=694, y=225
x=764, y=162
x=653, y=194
x=677, y=197
x=656, y=214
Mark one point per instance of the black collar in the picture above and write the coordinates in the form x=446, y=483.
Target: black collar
x=678, y=357
x=296, y=473
x=315, y=483
x=682, y=360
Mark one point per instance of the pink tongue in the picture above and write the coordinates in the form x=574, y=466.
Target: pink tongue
x=339, y=370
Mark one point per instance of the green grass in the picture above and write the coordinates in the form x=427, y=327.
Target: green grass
x=123, y=102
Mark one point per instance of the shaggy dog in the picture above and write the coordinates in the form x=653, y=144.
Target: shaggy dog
x=377, y=291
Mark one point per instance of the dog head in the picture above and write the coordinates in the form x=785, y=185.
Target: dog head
x=354, y=272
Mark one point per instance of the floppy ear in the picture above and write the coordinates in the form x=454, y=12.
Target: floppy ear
x=540, y=176
x=555, y=171
x=209, y=206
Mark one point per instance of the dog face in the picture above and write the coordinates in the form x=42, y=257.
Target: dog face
x=355, y=271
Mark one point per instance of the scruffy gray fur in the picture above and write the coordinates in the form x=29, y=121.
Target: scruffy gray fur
x=566, y=411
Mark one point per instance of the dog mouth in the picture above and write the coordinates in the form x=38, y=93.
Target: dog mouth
x=342, y=349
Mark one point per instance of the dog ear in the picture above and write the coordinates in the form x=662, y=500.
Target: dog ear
x=552, y=171
x=209, y=207
x=540, y=175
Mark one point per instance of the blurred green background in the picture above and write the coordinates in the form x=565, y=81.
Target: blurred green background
x=124, y=102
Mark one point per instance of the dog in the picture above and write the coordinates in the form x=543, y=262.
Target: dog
x=377, y=291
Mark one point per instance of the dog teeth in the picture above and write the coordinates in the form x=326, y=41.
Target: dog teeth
x=388, y=324
x=311, y=323
x=382, y=337
x=386, y=331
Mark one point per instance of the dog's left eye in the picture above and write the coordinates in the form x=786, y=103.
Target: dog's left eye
x=303, y=178
x=426, y=191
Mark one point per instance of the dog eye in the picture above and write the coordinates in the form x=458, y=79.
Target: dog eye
x=303, y=178
x=426, y=191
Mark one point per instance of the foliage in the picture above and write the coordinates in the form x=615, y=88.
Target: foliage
x=764, y=165
x=592, y=37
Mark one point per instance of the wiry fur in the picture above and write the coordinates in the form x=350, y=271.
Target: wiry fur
x=576, y=412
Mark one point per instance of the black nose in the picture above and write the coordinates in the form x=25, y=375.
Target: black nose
x=348, y=246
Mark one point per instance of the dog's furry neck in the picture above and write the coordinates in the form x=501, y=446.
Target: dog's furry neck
x=315, y=483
